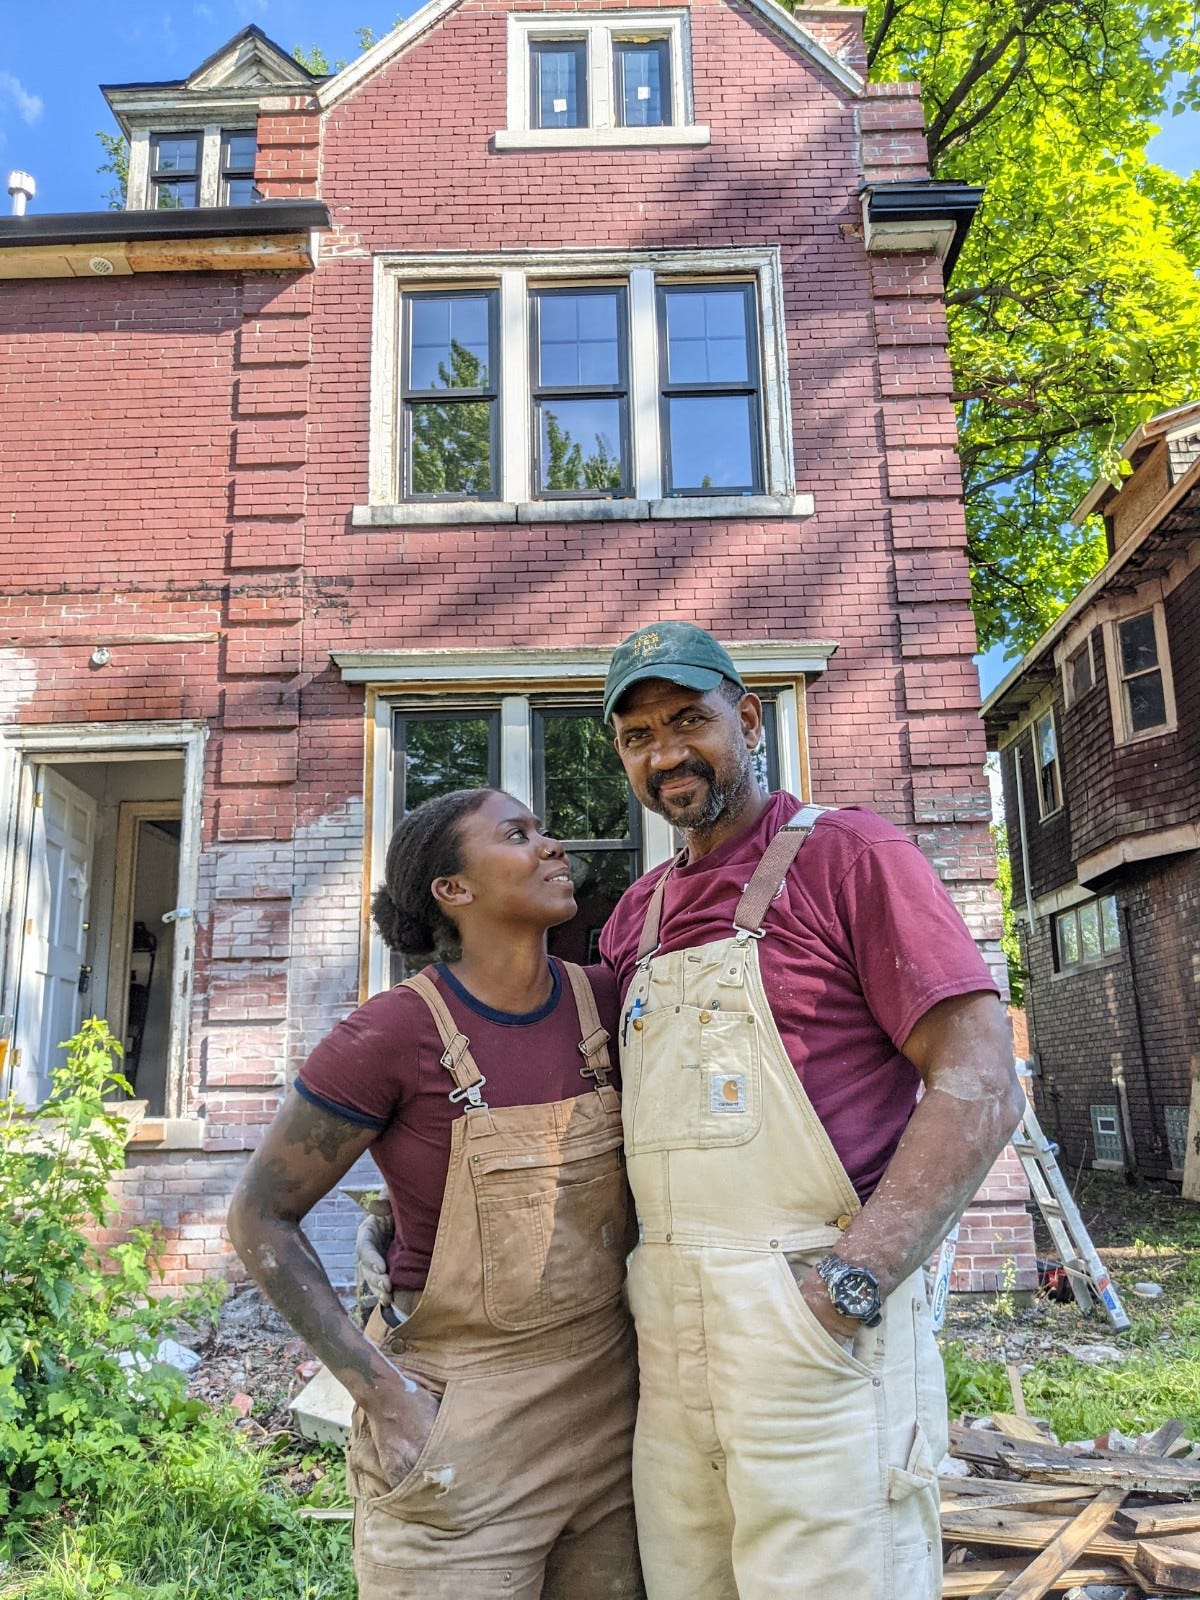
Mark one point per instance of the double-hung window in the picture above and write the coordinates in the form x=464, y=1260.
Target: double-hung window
x=449, y=397
x=710, y=388
x=540, y=385
x=174, y=171
x=642, y=82
x=1045, y=742
x=239, y=147
x=558, y=88
x=1140, y=675
x=580, y=383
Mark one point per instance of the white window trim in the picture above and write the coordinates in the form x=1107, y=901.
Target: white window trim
x=514, y=272
x=1069, y=698
x=599, y=31
x=1043, y=814
x=1122, y=733
x=512, y=677
x=140, y=188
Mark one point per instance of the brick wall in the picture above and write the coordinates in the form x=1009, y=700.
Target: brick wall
x=203, y=439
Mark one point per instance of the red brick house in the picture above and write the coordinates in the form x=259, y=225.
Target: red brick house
x=1097, y=730
x=341, y=459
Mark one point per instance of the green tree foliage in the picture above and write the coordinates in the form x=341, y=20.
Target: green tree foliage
x=1009, y=942
x=452, y=439
x=116, y=164
x=1075, y=308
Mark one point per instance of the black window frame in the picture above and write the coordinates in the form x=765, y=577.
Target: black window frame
x=752, y=387
x=554, y=44
x=170, y=181
x=410, y=397
x=667, y=98
x=539, y=392
x=228, y=171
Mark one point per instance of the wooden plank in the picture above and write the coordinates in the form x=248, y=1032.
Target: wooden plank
x=1027, y=1530
x=1142, y=1521
x=1015, y=1426
x=1051, y=1464
x=988, y=1578
x=1169, y=1563
x=1018, y=1394
x=1019, y=1496
x=1160, y=1442
x=1058, y=1555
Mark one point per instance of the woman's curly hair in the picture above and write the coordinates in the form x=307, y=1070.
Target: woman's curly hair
x=425, y=846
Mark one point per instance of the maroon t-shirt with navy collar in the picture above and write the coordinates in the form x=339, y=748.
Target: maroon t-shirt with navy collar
x=860, y=943
x=381, y=1068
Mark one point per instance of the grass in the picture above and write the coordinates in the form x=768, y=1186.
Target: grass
x=216, y=1524
x=1143, y=1235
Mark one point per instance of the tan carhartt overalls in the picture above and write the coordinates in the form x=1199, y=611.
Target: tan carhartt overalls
x=770, y=1462
x=522, y=1489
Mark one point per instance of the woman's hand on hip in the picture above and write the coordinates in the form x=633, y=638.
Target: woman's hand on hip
x=400, y=1415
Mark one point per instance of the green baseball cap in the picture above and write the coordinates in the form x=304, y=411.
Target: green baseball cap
x=680, y=652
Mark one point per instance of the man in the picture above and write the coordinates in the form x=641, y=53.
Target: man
x=780, y=1012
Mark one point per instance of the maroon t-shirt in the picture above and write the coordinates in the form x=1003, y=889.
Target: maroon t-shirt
x=381, y=1068
x=860, y=943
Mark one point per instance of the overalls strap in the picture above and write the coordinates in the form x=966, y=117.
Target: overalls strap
x=648, y=943
x=594, y=1044
x=773, y=868
x=456, y=1047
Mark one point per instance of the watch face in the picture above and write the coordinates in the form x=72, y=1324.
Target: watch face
x=856, y=1293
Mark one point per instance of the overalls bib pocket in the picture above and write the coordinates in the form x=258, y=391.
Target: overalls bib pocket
x=553, y=1233
x=704, y=1090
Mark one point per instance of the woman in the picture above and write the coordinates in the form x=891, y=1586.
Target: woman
x=495, y=1398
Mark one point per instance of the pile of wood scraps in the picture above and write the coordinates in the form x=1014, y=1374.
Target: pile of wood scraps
x=1030, y=1517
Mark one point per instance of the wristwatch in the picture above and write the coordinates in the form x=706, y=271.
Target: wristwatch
x=853, y=1291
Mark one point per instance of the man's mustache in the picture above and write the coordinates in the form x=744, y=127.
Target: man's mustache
x=685, y=769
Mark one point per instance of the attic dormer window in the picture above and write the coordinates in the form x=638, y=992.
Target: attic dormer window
x=238, y=150
x=174, y=170
x=623, y=78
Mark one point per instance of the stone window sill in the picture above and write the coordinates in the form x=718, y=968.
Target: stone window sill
x=167, y=1133
x=591, y=138
x=448, y=513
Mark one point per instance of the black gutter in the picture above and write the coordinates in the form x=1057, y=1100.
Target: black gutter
x=200, y=222
x=927, y=200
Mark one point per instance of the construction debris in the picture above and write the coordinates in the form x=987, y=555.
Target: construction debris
x=1112, y=1517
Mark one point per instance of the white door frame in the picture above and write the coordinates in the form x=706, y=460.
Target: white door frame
x=21, y=750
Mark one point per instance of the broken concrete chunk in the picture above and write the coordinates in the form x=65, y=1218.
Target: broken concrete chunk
x=323, y=1408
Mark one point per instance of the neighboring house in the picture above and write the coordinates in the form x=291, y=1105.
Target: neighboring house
x=1099, y=734
x=551, y=320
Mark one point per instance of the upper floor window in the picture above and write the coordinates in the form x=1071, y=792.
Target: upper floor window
x=622, y=78
x=1140, y=675
x=238, y=151
x=1079, y=672
x=174, y=170
x=1045, y=742
x=623, y=383
x=1087, y=933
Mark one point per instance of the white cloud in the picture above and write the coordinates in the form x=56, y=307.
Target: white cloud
x=29, y=106
x=206, y=13
x=250, y=10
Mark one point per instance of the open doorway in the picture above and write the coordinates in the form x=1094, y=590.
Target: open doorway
x=103, y=870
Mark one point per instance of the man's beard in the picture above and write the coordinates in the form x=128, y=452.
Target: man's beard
x=718, y=799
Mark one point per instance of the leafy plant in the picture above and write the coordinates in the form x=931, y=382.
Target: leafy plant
x=82, y=1395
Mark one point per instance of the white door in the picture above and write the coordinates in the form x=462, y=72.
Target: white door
x=54, y=951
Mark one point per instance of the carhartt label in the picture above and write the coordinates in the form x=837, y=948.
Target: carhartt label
x=726, y=1091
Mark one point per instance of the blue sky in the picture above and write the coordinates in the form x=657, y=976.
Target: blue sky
x=52, y=60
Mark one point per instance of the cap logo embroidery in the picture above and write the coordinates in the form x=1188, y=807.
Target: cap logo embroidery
x=645, y=645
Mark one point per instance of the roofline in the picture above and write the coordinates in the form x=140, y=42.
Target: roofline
x=1091, y=589
x=202, y=222
x=253, y=31
x=335, y=89
x=1156, y=427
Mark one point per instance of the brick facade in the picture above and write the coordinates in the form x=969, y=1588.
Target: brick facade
x=189, y=447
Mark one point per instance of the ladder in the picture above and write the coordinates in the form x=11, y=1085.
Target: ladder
x=1090, y=1283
